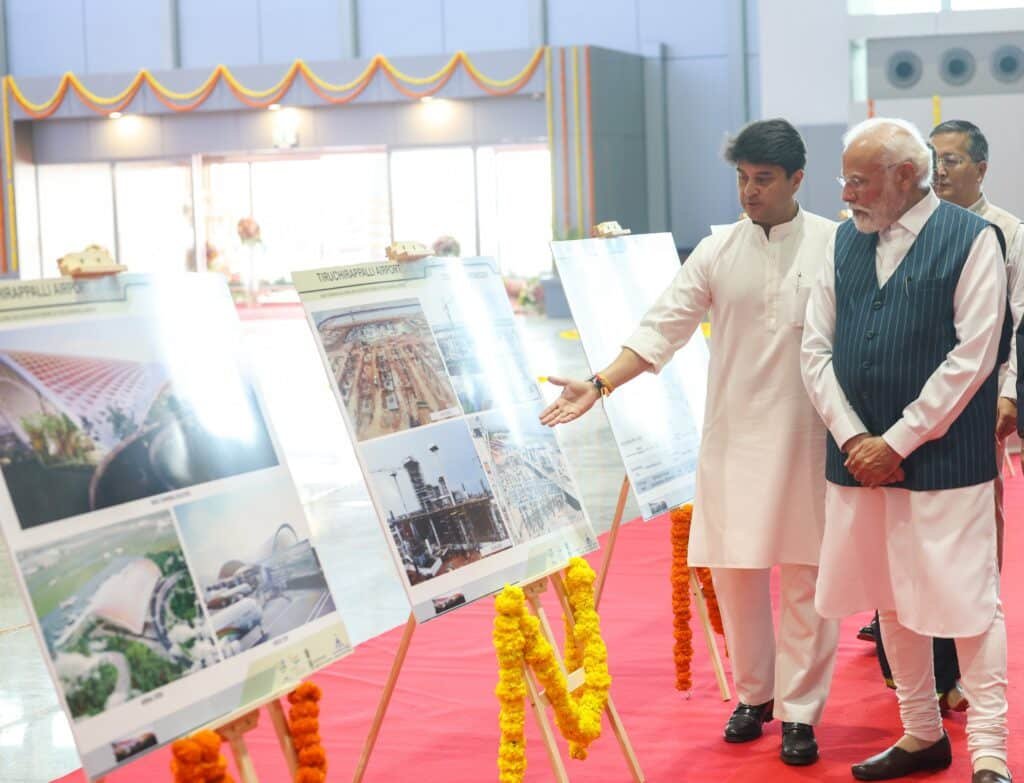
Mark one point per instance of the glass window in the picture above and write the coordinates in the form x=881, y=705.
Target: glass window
x=154, y=216
x=433, y=195
x=885, y=7
x=76, y=209
x=514, y=196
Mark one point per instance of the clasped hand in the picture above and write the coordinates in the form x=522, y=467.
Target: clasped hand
x=872, y=461
x=577, y=398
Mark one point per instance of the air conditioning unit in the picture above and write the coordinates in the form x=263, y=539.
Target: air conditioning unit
x=979, y=64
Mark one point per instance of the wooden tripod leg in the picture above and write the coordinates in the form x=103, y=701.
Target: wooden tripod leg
x=385, y=698
x=609, y=545
x=284, y=735
x=537, y=702
x=709, y=636
x=627, y=747
x=234, y=732
x=613, y=714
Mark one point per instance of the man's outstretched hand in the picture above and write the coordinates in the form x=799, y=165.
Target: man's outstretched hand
x=577, y=398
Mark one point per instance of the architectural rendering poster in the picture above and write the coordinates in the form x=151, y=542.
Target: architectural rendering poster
x=157, y=536
x=429, y=371
x=656, y=419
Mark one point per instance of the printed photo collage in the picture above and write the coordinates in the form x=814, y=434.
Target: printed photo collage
x=148, y=551
x=434, y=384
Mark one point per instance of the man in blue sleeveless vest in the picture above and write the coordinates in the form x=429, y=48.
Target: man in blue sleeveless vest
x=903, y=335
x=961, y=163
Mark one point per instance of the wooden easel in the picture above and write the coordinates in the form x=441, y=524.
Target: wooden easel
x=695, y=587
x=537, y=700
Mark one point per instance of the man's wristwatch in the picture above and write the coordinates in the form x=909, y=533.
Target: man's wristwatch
x=600, y=383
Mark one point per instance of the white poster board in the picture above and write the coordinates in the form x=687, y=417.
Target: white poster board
x=428, y=369
x=656, y=419
x=155, y=532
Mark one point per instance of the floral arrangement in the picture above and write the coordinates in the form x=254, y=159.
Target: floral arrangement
x=518, y=642
x=197, y=759
x=248, y=231
x=681, y=518
x=304, y=723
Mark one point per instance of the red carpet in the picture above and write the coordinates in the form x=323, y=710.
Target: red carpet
x=442, y=725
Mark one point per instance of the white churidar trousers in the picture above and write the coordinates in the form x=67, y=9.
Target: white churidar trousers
x=982, y=677
x=796, y=670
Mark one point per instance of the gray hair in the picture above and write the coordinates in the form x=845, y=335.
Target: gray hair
x=901, y=142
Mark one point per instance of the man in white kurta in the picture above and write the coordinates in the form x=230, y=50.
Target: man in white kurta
x=760, y=476
x=925, y=559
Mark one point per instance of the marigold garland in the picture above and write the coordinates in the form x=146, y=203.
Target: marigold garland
x=197, y=759
x=681, y=519
x=683, y=650
x=711, y=599
x=304, y=724
x=518, y=642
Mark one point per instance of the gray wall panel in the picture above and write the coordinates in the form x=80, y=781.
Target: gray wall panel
x=608, y=23
x=690, y=28
x=225, y=31
x=306, y=29
x=470, y=25
x=703, y=186
x=45, y=37
x=400, y=27
x=126, y=36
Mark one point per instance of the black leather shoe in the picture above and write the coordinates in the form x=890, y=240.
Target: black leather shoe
x=799, y=747
x=866, y=634
x=745, y=722
x=896, y=762
x=990, y=776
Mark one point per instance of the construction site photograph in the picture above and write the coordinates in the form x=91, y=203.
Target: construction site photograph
x=387, y=367
x=469, y=312
x=119, y=612
x=526, y=465
x=259, y=576
x=435, y=500
x=95, y=415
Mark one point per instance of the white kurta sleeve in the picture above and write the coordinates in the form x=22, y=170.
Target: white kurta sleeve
x=1015, y=285
x=819, y=375
x=979, y=304
x=677, y=313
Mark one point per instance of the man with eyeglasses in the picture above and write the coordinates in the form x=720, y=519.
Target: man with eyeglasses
x=760, y=473
x=905, y=329
x=960, y=164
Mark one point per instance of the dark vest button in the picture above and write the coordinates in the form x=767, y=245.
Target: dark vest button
x=876, y=305
x=865, y=364
x=870, y=335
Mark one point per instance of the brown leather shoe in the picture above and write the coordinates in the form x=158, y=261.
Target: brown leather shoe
x=896, y=762
x=990, y=776
x=745, y=722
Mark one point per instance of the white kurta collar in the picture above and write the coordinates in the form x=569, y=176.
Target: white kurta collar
x=979, y=206
x=913, y=219
x=782, y=230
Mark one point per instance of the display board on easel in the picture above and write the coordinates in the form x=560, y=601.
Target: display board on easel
x=153, y=527
x=429, y=371
x=656, y=419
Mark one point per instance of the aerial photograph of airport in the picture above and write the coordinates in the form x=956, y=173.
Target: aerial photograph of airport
x=103, y=420
x=259, y=576
x=387, y=366
x=119, y=612
x=437, y=502
x=524, y=462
